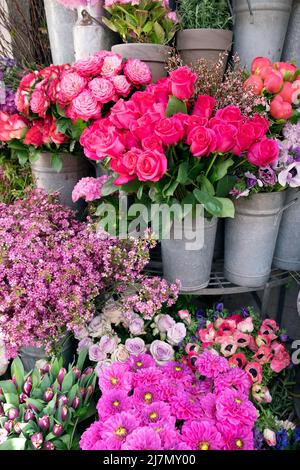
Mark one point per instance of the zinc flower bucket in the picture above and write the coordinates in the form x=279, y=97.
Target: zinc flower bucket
x=291, y=49
x=30, y=355
x=60, y=21
x=250, y=238
x=74, y=167
x=287, y=251
x=260, y=28
x=191, y=267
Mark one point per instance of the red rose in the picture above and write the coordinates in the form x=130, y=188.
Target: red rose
x=34, y=137
x=280, y=109
x=151, y=166
x=263, y=153
x=170, y=130
x=230, y=114
x=202, y=141
x=226, y=137
x=182, y=81
x=204, y=106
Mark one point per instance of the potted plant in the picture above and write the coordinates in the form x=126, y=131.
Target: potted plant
x=55, y=105
x=205, y=30
x=252, y=33
x=176, y=152
x=146, y=28
x=271, y=168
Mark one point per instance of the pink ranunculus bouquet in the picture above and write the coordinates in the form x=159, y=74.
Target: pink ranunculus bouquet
x=145, y=406
x=163, y=145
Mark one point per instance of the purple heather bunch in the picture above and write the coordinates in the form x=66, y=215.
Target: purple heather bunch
x=145, y=406
x=53, y=268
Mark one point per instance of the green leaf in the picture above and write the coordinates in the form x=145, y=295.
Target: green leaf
x=169, y=191
x=175, y=106
x=62, y=125
x=206, y=185
x=22, y=156
x=17, y=443
x=109, y=24
x=56, y=162
x=221, y=168
x=39, y=404
x=160, y=33
x=8, y=387
x=60, y=111
x=227, y=207
x=67, y=382
x=182, y=176
x=140, y=192
x=17, y=371
x=77, y=128
x=33, y=157
x=108, y=188
x=225, y=185
x=210, y=203
x=51, y=406
x=81, y=358
x=11, y=399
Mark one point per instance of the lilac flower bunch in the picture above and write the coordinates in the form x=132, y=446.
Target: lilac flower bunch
x=9, y=76
x=145, y=406
x=53, y=268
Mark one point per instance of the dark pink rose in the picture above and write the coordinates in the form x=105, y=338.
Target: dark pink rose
x=204, y=106
x=57, y=137
x=144, y=126
x=226, y=137
x=202, y=141
x=263, y=153
x=143, y=100
x=123, y=114
x=137, y=72
x=103, y=90
x=260, y=124
x=170, y=130
x=230, y=114
x=151, y=166
x=34, y=137
x=153, y=142
x=194, y=121
x=182, y=81
x=160, y=90
x=245, y=137
x=116, y=164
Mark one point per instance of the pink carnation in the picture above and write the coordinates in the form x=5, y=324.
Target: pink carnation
x=202, y=435
x=89, y=189
x=137, y=72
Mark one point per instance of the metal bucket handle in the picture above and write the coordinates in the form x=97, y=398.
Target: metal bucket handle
x=287, y=206
x=233, y=14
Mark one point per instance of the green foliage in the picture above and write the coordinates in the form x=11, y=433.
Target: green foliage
x=15, y=179
x=143, y=23
x=197, y=14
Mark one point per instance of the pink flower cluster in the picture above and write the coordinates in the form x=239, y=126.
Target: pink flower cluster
x=89, y=189
x=137, y=133
x=246, y=347
x=53, y=268
x=149, y=407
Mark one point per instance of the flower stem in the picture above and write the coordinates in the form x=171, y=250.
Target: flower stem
x=211, y=164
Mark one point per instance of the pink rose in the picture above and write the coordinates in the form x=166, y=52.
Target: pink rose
x=136, y=326
x=160, y=90
x=263, y=153
x=112, y=65
x=39, y=102
x=226, y=137
x=202, y=141
x=85, y=106
x=70, y=86
x=170, y=130
x=102, y=89
x=137, y=72
x=204, y=106
x=154, y=143
x=121, y=85
x=107, y=344
x=230, y=114
x=164, y=322
x=126, y=173
x=162, y=352
x=135, y=346
x=260, y=125
x=89, y=67
x=22, y=101
x=143, y=101
x=182, y=81
x=96, y=354
x=245, y=137
x=123, y=114
x=144, y=126
x=12, y=126
x=151, y=166
x=52, y=90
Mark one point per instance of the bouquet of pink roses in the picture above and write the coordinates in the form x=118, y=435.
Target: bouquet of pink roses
x=145, y=406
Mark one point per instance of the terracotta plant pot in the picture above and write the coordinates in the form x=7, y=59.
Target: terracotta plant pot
x=195, y=44
x=155, y=55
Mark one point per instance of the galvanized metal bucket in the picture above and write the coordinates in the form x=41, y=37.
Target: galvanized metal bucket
x=191, y=267
x=30, y=355
x=287, y=251
x=291, y=49
x=260, y=28
x=250, y=238
x=74, y=168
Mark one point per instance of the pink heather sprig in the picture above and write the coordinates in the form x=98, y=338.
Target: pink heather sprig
x=146, y=406
x=53, y=268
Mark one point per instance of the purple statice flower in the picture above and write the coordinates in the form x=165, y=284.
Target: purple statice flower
x=200, y=314
x=284, y=338
x=291, y=133
x=295, y=151
x=267, y=176
x=7, y=101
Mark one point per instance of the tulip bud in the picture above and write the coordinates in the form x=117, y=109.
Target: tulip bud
x=17, y=428
x=8, y=425
x=61, y=375
x=64, y=413
x=87, y=371
x=89, y=391
x=1, y=410
x=77, y=372
x=29, y=416
x=37, y=440
x=32, y=407
x=23, y=397
x=75, y=403
x=48, y=395
x=57, y=429
x=48, y=446
x=44, y=422
x=63, y=400
x=27, y=387
x=82, y=391
x=13, y=413
x=46, y=368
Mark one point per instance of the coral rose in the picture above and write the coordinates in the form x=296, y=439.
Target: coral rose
x=273, y=82
x=151, y=166
x=255, y=84
x=182, y=81
x=263, y=153
x=137, y=72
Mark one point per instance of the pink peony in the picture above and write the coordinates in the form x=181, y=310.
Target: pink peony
x=102, y=89
x=112, y=65
x=202, y=435
x=280, y=109
x=137, y=72
x=143, y=438
x=89, y=189
x=70, y=86
x=85, y=106
x=182, y=81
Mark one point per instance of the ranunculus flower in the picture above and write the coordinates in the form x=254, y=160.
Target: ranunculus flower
x=259, y=63
x=231, y=114
x=89, y=67
x=137, y=72
x=121, y=85
x=273, y=82
x=12, y=126
x=263, y=153
x=39, y=102
x=162, y=352
x=255, y=84
x=204, y=106
x=176, y=334
x=102, y=89
x=170, y=131
x=112, y=65
x=280, y=109
x=71, y=85
x=182, y=81
x=135, y=346
x=151, y=166
x=202, y=141
x=85, y=106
